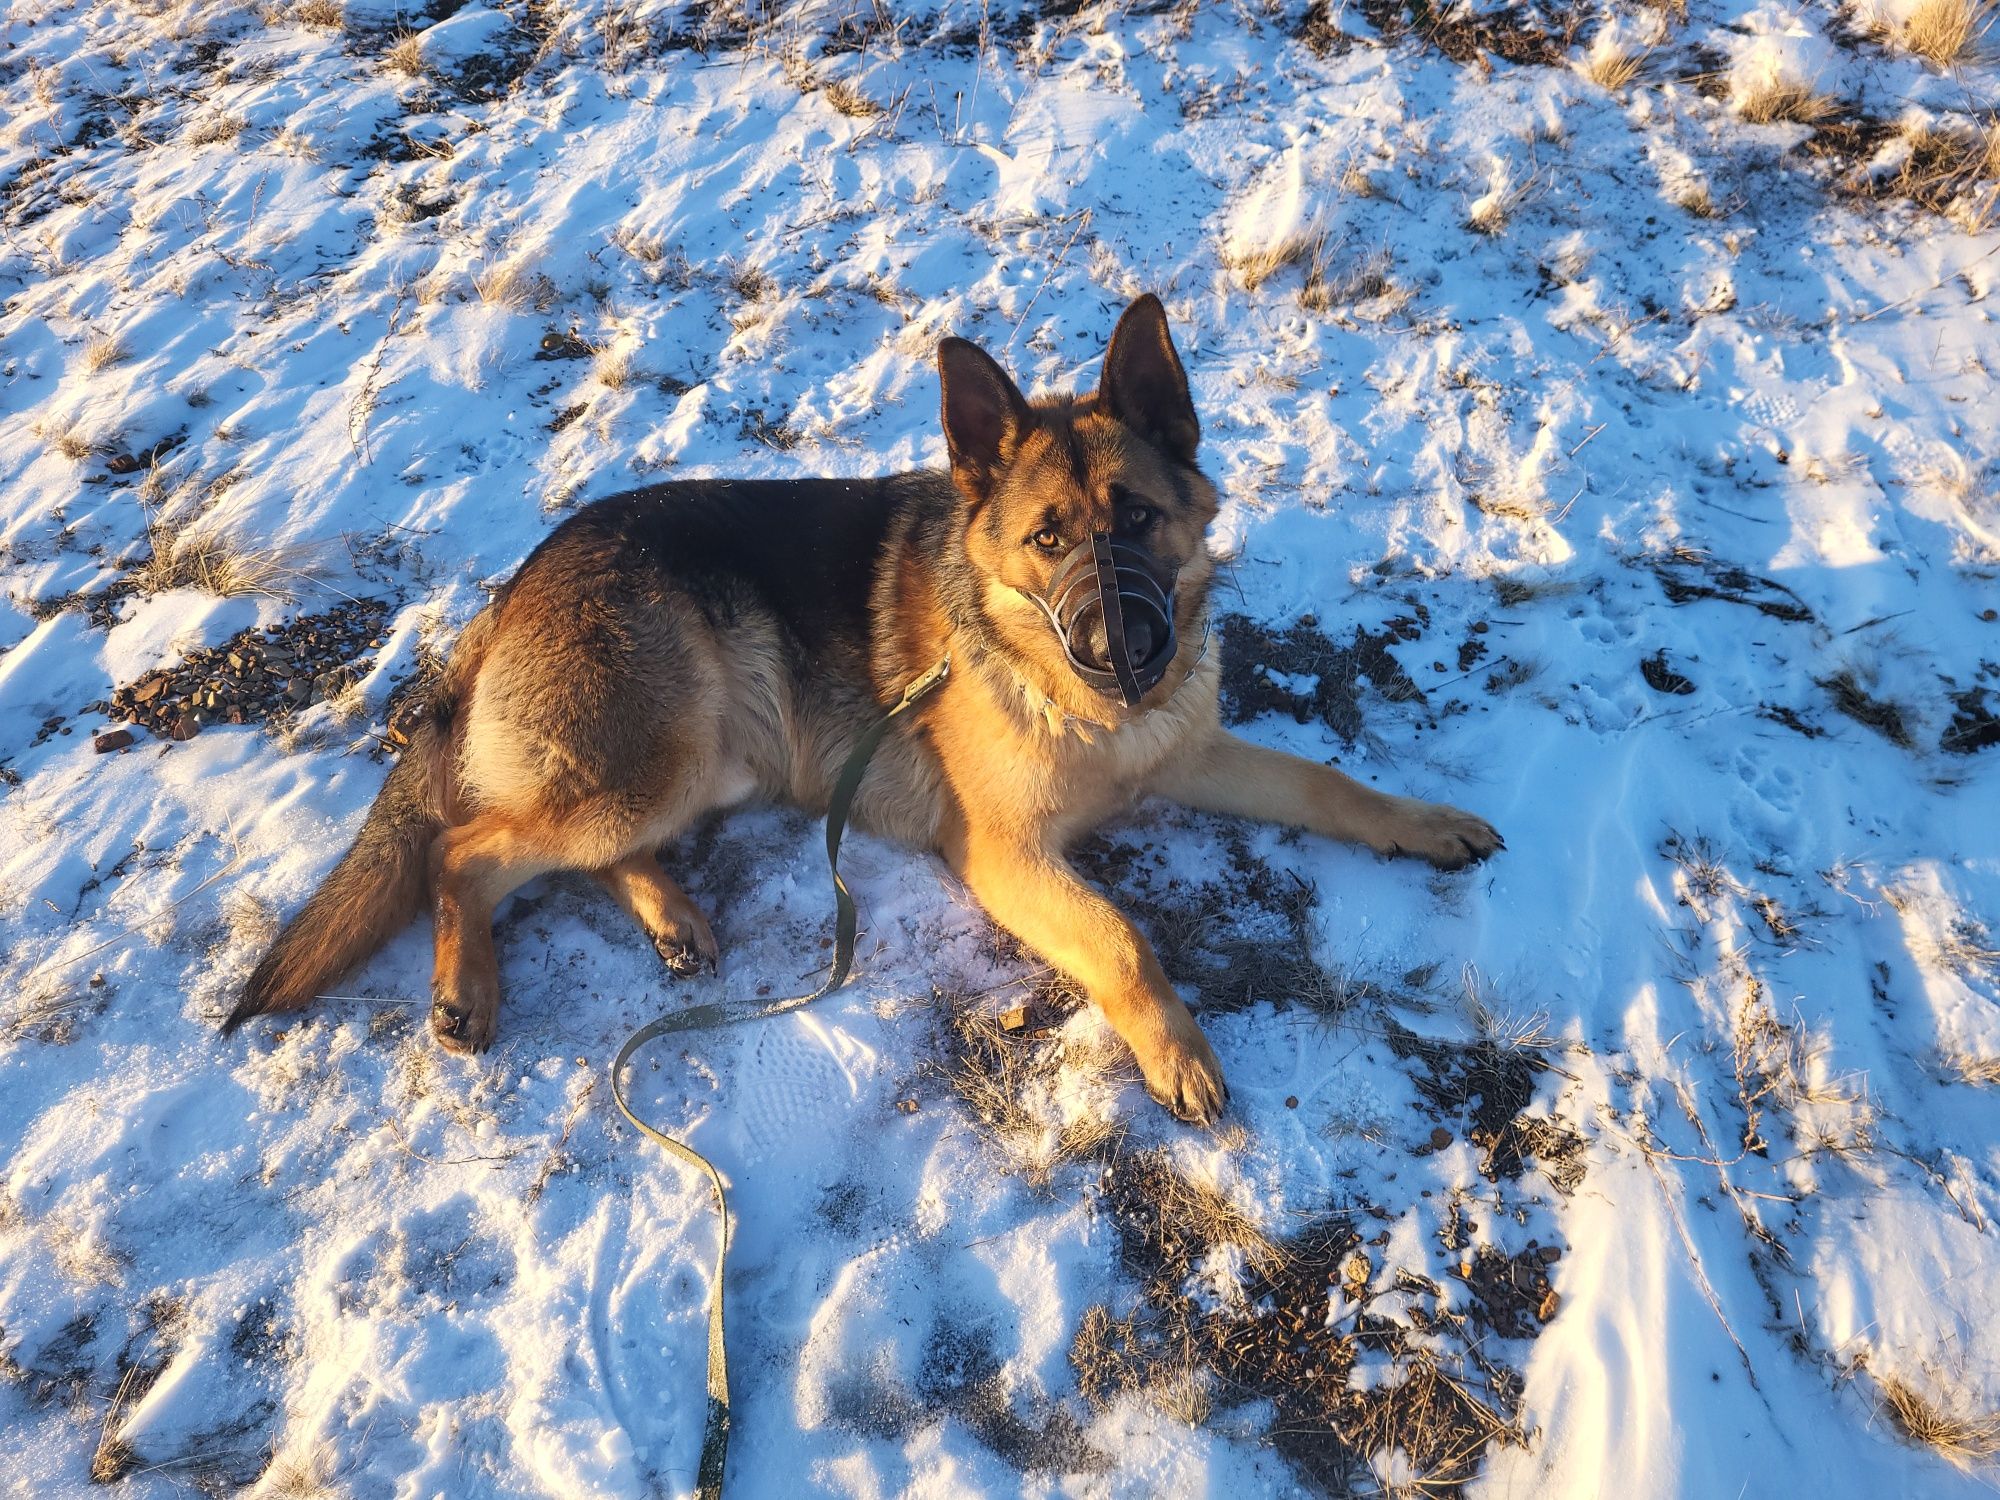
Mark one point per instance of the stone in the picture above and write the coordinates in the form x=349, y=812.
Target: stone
x=112, y=739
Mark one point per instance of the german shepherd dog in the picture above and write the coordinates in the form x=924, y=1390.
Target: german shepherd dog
x=671, y=651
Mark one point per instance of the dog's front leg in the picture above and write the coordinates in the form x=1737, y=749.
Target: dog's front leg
x=1035, y=895
x=1221, y=773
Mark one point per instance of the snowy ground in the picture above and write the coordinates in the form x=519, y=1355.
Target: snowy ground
x=1595, y=458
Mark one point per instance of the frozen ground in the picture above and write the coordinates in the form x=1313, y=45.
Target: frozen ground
x=1596, y=457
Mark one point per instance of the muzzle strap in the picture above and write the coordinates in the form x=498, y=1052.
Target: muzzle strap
x=1114, y=620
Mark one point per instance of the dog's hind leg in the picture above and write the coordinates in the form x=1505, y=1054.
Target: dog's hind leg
x=474, y=867
x=663, y=911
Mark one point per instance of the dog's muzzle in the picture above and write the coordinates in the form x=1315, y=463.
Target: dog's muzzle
x=1111, y=604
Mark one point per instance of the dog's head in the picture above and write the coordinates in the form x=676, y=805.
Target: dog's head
x=1084, y=517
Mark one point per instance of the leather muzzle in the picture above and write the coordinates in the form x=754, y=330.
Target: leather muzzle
x=1111, y=604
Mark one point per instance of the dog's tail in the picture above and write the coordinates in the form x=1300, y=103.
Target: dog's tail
x=380, y=883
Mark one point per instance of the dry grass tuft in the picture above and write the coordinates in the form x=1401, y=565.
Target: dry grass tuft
x=1611, y=66
x=295, y=144
x=1883, y=715
x=204, y=559
x=1364, y=287
x=321, y=15
x=1256, y=265
x=849, y=100
x=1982, y=1071
x=102, y=352
x=1696, y=198
x=1963, y=1438
x=613, y=369
x=1006, y=1078
x=1943, y=170
x=215, y=130
x=648, y=250
x=1204, y=1212
x=1777, y=99
x=405, y=54
x=113, y=1458
x=513, y=285
x=1942, y=32
x=751, y=283
x=1490, y=212
x=68, y=440
x=303, y=1476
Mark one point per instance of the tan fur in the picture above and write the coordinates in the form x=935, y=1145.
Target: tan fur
x=601, y=705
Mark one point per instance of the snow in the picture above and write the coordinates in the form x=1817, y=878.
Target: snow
x=1753, y=935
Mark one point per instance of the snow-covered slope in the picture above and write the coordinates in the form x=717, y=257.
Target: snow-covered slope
x=1595, y=457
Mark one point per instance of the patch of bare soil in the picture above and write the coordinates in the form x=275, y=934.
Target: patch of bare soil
x=1485, y=1087
x=1973, y=725
x=1529, y=34
x=1310, y=1307
x=1276, y=1338
x=1300, y=670
x=1241, y=934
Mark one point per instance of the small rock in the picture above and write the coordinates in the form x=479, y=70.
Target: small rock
x=1551, y=1254
x=150, y=689
x=1015, y=1019
x=1440, y=1138
x=1550, y=1304
x=112, y=739
x=186, y=727
x=1291, y=1101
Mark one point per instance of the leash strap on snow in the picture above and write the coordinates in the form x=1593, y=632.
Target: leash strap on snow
x=715, y=1427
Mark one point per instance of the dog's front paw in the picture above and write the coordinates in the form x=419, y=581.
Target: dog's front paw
x=1449, y=837
x=465, y=1021
x=690, y=949
x=1182, y=1074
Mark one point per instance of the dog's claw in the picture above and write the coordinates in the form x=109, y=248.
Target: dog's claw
x=1184, y=1078
x=684, y=960
x=688, y=948
x=1447, y=837
x=458, y=1027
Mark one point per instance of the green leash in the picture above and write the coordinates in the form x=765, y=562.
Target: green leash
x=715, y=1428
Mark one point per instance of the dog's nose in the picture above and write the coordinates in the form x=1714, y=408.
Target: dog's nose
x=1139, y=640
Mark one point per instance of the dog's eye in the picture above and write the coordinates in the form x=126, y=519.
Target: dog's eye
x=1048, y=539
x=1138, y=517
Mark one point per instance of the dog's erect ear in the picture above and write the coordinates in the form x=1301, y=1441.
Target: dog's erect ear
x=984, y=415
x=1143, y=384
